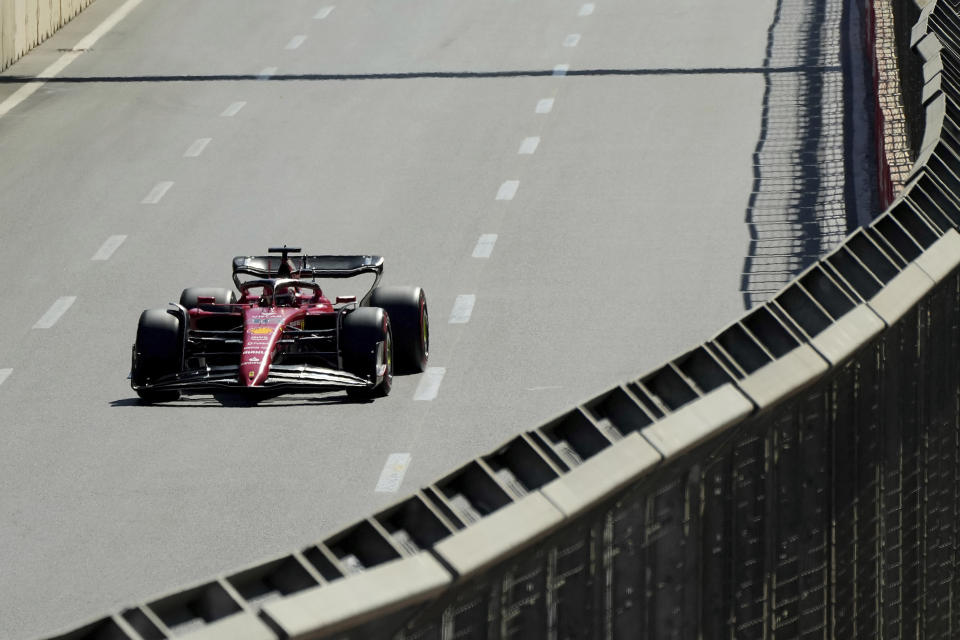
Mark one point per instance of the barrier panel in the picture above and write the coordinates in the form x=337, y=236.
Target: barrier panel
x=26, y=23
x=910, y=68
x=794, y=476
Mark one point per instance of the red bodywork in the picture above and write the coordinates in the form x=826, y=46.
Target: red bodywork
x=263, y=327
x=282, y=334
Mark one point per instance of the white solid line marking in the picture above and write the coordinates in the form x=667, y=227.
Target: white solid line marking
x=429, y=383
x=508, y=189
x=561, y=69
x=266, y=72
x=157, y=192
x=572, y=40
x=393, y=471
x=586, y=9
x=529, y=145
x=485, y=245
x=63, y=61
x=462, y=308
x=109, y=246
x=233, y=109
x=4, y=374
x=323, y=13
x=197, y=148
x=57, y=309
x=545, y=105
x=295, y=42
x=546, y=388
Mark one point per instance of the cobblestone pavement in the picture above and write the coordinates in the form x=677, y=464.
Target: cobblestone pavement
x=889, y=94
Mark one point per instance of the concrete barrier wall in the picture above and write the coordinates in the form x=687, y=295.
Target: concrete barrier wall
x=26, y=23
x=794, y=476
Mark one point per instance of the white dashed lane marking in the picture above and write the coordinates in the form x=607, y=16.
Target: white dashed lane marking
x=485, y=245
x=197, y=148
x=233, y=109
x=508, y=189
x=561, y=69
x=586, y=9
x=323, y=13
x=4, y=374
x=295, y=42
x=529, y=145
x=462, y=308
x=108, y=247
x=545, y=105
x=266, y=73
x=57, y=309
x=571, y=40
x=393, y=471
x=157, y=193
x=429, y=385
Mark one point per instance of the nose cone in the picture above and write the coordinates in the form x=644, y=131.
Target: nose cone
x=258, y=344
x=253, y=375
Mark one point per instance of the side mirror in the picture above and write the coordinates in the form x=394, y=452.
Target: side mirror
x=346, y=299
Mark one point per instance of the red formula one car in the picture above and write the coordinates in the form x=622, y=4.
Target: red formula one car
x=282, y=334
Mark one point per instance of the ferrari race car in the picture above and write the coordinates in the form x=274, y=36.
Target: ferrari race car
x=281, y=334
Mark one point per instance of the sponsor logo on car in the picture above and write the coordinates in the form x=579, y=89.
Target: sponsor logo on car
x=264, y=320
x=250, y=374
x=261, y=330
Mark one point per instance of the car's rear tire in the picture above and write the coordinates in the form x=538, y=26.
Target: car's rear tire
x=366, y=345
x=156, y=353
x=407, y=308
x=190, y=298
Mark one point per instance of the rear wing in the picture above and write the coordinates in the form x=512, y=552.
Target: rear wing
x=309, y=266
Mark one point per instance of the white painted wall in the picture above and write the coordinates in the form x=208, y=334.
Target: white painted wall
x=26, y=23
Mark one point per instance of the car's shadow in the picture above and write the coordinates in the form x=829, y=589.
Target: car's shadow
x=235, y=400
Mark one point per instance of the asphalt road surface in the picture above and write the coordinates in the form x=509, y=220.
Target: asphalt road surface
x=195, y=131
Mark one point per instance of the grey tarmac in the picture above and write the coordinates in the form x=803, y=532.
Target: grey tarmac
x=387, y=130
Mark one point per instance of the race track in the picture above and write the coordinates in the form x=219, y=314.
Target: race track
x=203, y=130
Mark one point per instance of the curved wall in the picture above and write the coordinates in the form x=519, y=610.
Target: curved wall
x=793, y=475
x=26, y=23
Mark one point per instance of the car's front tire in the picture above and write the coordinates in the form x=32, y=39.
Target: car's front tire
x=157, y=352
x=366, y=344
x=407, y=308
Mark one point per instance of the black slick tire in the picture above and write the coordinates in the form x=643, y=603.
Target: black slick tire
x=156, y=353
x=366, y=344
x=407, y=308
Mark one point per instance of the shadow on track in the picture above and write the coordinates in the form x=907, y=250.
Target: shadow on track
x=798, y=205
x=241, y=401
x=413, y=75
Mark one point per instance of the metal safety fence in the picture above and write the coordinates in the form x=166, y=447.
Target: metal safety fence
x=910, y=70
x=795, y=476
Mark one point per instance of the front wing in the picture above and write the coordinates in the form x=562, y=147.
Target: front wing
x=281, y=378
